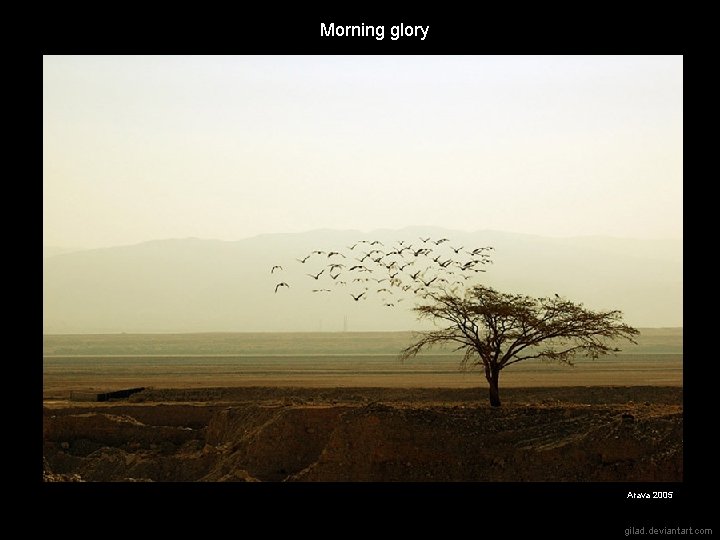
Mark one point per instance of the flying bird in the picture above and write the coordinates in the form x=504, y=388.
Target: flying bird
x=283, y=284
x=335, y=253
x=318, y=252
x=317, y=276
x=456, y=250
x=441, y=241
x=274, y=267
x=322, y=290
x=427, y=283
x=303, y=260
x=425, y=240
x=356, y=298
x=375, y=242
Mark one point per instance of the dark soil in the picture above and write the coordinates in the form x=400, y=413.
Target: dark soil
x=632, y=434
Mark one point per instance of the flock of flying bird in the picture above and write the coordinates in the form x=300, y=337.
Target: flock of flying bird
x=391, y=271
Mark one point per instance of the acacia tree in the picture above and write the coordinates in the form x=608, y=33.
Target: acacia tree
x=497, y=330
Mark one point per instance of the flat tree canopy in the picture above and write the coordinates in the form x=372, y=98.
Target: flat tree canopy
x=498, y=329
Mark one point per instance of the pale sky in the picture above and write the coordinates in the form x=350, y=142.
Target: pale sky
x=144, y=148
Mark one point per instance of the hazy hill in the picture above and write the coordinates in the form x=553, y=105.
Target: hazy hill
x=194, y=285
x=50, y=251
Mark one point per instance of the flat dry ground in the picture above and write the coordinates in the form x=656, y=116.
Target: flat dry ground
x=59, y=379
x=347, y=410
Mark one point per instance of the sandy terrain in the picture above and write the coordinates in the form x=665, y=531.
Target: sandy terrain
x=274, y=433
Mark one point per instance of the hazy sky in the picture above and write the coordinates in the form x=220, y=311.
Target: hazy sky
x=141, y=148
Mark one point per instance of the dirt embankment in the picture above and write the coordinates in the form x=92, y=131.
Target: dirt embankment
x=345, y=435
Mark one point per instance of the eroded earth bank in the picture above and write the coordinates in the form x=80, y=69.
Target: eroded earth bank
x=368, y=434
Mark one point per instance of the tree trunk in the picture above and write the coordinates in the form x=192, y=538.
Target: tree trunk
x=493, y=380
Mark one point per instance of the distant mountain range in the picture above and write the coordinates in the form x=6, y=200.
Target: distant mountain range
x=195, y=285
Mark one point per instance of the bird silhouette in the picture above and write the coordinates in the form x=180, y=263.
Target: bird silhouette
x=316, y=276
x=321, y=290
x=353, y=246
x=356, y=298
x=283, y=284
x=427, y=283
x=303, y=260
x=335, y=253
x=437, y=243
x=425, y=240
x=376, y=242
x=456, y=250
x=274, y=267
x=318, y=252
